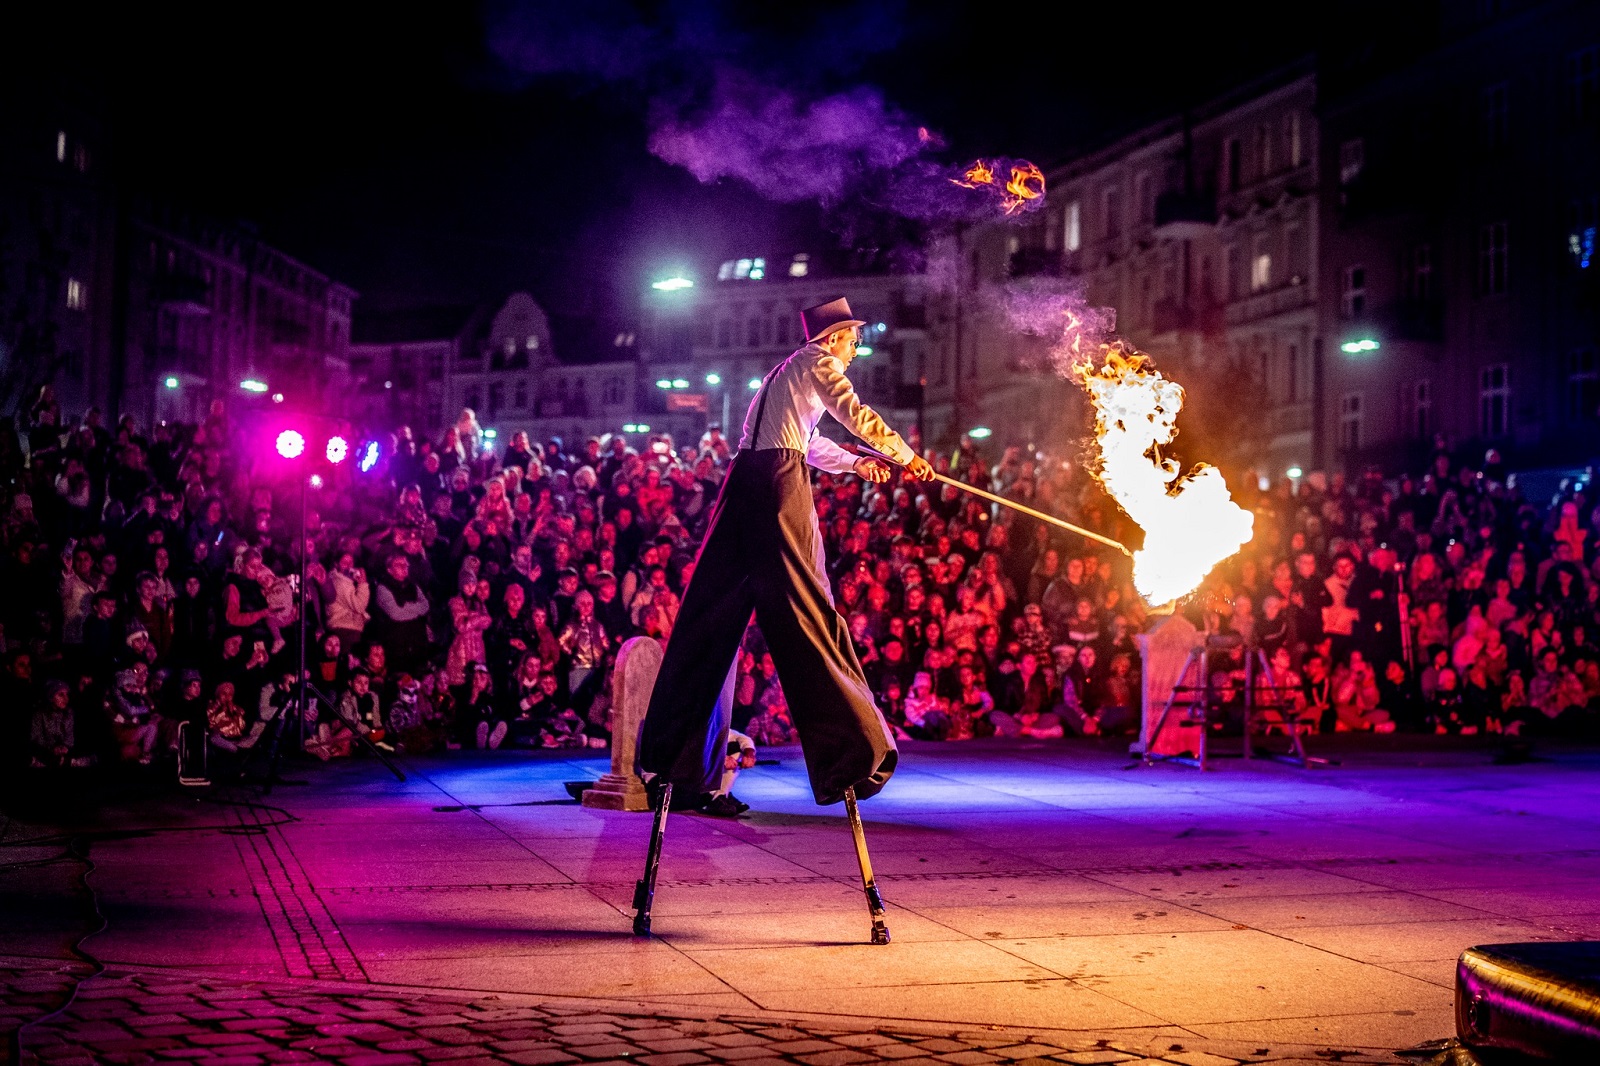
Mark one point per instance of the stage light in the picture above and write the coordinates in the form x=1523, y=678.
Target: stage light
x=676, y=283
x=1356, y=347
x=863, y=349
x=338, y=449
x=316, y=481
x=491, y=434
x=369, y=457
x=171, y=383
x=980, y=432
x=1294, y=472
x=291, y=445
x=252, y=385
x=680, y=383
x=755, y=383
x=663, y=383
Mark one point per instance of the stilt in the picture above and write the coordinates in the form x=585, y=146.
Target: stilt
x=880, y=929
x=644, y=890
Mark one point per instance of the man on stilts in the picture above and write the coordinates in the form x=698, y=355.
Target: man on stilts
x=763, y=553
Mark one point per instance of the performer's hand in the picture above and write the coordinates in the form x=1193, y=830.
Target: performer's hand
x=919, y=469
x=874, y=470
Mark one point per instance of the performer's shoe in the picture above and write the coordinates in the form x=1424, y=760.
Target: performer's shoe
x=725, y=806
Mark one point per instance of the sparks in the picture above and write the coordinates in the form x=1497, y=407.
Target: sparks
x=1189, y=520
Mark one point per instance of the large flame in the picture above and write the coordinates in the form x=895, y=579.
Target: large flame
x=1190, y=522
x=1023, y=189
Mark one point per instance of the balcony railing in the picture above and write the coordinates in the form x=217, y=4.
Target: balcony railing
x=1172, y=316
x=1266, y=304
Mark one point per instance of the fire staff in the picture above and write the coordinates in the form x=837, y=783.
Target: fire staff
x=763, y=553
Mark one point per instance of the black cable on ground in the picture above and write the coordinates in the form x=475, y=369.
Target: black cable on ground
x=77, y=849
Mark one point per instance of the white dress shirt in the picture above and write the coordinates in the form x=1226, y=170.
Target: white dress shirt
x=799, y=391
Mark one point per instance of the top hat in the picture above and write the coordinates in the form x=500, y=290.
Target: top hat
x=819, y=321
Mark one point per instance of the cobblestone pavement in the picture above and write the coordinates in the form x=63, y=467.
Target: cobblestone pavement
x=126, y=1016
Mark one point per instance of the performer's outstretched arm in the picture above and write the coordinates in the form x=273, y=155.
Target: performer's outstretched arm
x=839, y=398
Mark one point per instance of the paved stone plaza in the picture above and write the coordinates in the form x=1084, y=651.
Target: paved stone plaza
x=1047, y=902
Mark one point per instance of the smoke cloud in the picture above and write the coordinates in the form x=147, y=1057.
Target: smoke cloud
x=730, y=104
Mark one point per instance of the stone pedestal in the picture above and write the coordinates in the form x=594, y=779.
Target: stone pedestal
x=635, y=676
x=1164, y=649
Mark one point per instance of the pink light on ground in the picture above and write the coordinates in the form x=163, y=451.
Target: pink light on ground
x=291, y=445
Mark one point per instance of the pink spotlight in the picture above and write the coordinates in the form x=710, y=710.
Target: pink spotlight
x=291, y=445
x=338, y=449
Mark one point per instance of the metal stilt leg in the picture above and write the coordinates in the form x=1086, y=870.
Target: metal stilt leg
x=880, y=929
x=644, y=890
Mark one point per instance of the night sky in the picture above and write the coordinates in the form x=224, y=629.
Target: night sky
x=412, y=154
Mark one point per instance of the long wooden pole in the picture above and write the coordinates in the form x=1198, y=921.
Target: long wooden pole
x=865, y=451
x=1040, y=515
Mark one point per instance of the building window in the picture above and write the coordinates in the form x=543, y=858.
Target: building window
x=1583, y=218
x=1232, y=164
x=1583, y=79
x=1073, y=227
x=1299, y=259
x=1292, y=358
x=725, y=334
x=1353, y=291
x=532, y=343
x=1494, y=400
x=1260, y=262
x=1583, y=385
x=519, y=399
x=1111, y=206
x=944, y=365
x=800, y=265
x=1419, y=413
x=1264, y=149
x=1235, y=271
x=1352, y=157
x=1143, y=203
x=510, y=347
x=1493, y=259
x=1292, y=145
x=474, y=400
x=495, y=396
x=1418, y=274
x=1350, y=421
x=1496, y=110
x=752, y=333
x=611, y=392
x=77, y=295
x=61, y=146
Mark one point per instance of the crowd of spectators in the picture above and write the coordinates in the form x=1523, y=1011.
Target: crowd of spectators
x=463, y=596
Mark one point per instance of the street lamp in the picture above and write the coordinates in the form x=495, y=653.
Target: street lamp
x=171, y=382
x=713, y=379
x=253, y=385
x=676, y=283
x=755, y=383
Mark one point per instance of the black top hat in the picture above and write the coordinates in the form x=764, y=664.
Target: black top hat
x=819, y=321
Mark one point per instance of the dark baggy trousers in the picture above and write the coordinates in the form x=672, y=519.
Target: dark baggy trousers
x=763, y=552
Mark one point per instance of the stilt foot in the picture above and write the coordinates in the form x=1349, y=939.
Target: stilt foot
x=644, y=890
x=869, y=884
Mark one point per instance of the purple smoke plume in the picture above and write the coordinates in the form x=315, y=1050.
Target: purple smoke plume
x=716, y=113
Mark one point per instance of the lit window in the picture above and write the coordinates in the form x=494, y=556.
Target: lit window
x=1493, y=259
x=758, y=269
x=1073, y=234
x=800, y=265
x=741, y=269
x=511, y=346
x=532, y=343
x=77, y=295
x=1352, y=157
x=725, y=271
x=1353, y=291
x=1494, y=400
x=1260, y=263
x=61, y=147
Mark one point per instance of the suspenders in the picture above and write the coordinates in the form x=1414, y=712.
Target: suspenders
x=761, y=405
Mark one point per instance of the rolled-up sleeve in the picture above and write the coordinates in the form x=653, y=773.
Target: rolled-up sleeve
x=839, y=399
x=827, y=456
